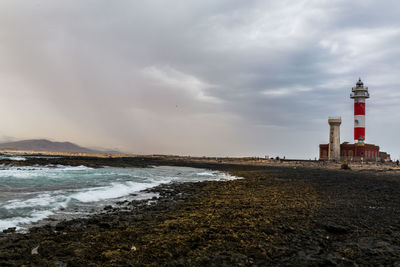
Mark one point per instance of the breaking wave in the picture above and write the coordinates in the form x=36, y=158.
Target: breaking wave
x=30, y=194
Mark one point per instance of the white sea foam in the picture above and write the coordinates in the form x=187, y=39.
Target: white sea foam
x=226, y=177
x=16, y=158
x=18, y=221
x=22, y=172
x=42, y=200
x=205, y=174
x=73, y=168
x=29, y=172
x=115, y=190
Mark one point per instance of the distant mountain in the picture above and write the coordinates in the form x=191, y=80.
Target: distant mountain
x=46, y=145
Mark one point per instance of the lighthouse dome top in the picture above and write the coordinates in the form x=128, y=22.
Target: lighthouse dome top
x=359, y=92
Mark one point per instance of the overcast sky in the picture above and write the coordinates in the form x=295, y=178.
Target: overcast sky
x=209, y=77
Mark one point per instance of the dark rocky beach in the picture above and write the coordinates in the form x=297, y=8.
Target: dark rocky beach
x=279, y=214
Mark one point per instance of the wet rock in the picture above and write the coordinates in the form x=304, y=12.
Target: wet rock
x=382, y=244
x=122, y=202
x=345, y=166
x=60, y=227
x=105, y=225
x=334, y=228
x=60, y=264
x=108, y=207
x=10, y=230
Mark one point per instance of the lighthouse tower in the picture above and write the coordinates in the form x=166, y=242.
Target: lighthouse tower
x=359, y=151
x=359, y=94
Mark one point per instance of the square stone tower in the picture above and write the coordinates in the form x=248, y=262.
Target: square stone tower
x=334, y=138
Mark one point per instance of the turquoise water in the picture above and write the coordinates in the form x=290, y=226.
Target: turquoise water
x=31, y=194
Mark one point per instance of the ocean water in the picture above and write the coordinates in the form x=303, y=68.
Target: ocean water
x=31, y=194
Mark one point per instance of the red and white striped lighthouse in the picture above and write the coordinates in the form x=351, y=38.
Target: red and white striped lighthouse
x=359, y=94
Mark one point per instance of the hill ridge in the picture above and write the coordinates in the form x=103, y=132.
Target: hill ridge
x=45, y=145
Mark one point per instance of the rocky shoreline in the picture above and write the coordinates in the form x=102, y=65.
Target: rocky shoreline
x=278, y=215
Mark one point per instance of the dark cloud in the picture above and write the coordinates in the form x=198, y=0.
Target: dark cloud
x=197, y=77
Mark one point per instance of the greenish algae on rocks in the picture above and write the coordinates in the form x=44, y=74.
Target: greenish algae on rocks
x=275, y=216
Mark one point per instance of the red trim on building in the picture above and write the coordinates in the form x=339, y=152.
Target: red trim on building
x=359, y=108
x=359, y=132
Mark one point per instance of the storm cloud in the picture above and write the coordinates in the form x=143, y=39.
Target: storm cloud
x=235, y=78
